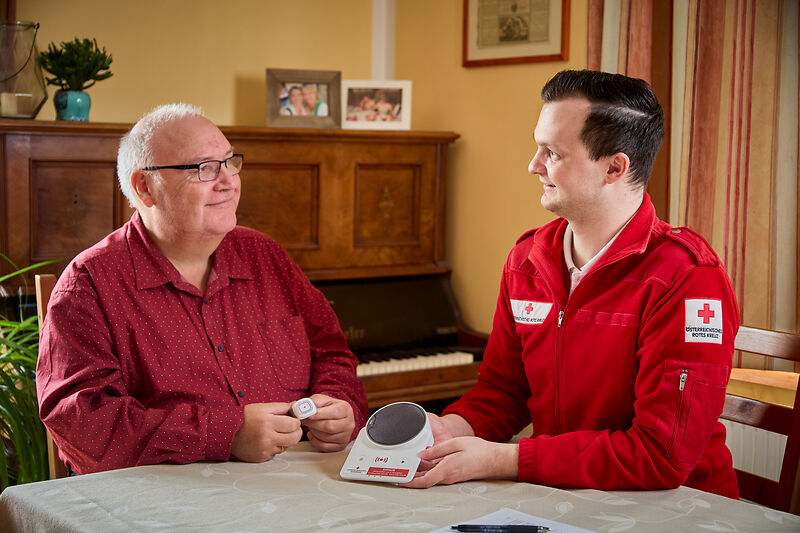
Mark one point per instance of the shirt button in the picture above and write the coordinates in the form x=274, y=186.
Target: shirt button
x=205, y=302
x=240, y=394
x=221, y=348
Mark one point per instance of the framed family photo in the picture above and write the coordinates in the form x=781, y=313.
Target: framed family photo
x=373, y=105
x=502, y=32
x=303, y=98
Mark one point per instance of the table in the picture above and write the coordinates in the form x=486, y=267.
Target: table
x=300, y=490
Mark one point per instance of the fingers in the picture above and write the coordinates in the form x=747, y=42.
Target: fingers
x=330, y=435
x=438, y=451
x=330, y=429
x=332, y=417
x=275, y=408
x=330, y=408
x=425, y=480
x=439, y=465
x=265, y=432
x=333, y=445
x=425, y=465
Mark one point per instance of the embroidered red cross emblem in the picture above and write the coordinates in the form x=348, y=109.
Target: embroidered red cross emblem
x=706, y=313
x=528, y=308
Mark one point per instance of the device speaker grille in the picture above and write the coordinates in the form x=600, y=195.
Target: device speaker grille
x=396, y=423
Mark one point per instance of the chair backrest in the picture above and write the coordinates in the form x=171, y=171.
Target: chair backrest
x=44, y=288
x=783, y=494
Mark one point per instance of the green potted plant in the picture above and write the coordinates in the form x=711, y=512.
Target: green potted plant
x=75, y=66
x=24, y=457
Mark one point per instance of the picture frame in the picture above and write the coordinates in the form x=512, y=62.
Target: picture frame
x=376, y=104
x=507, y=32
x=318, y=106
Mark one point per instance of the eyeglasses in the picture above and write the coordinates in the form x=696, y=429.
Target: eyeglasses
x=208, y=170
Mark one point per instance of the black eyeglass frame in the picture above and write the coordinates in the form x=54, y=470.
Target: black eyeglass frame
x=197, y=166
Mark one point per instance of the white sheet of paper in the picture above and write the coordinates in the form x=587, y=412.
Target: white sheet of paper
x=508, y=517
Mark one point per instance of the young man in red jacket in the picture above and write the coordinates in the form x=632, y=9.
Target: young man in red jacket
x=613, y=333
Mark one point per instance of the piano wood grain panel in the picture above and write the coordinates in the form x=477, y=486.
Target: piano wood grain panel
x=420, y=385
x=323, y=194
x=60, y=194
x=282, y=200
x=387, y=205
x=72, y=206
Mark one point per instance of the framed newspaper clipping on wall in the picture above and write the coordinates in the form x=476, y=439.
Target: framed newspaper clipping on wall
x=503, y=32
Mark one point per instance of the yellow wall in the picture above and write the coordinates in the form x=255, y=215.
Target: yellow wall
x=211, y=53
x=214, y=54
x=492, y=199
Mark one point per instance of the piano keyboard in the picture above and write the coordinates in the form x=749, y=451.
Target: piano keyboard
x=404, y=363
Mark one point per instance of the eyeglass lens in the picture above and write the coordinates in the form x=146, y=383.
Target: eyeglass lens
x=209, y=170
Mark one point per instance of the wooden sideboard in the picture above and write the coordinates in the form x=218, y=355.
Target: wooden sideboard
x=345, y=204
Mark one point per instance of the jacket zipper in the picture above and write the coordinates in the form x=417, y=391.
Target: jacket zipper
x=561, y=312
x=681, y=385
x=559, y=413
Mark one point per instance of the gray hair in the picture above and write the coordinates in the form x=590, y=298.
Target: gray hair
x=135, y=150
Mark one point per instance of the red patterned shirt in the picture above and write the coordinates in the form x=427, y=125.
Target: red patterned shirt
x=137, y=366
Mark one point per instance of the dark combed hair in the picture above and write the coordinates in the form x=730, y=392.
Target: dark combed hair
x=624, y=116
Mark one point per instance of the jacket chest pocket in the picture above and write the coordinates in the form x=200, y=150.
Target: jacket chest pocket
x=289, y=351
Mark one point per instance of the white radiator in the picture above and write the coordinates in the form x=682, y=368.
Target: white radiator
x=755, y=450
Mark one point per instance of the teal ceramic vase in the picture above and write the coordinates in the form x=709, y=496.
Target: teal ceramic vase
x=72, y=105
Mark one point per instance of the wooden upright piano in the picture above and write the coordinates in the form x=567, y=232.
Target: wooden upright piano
x=362, y=212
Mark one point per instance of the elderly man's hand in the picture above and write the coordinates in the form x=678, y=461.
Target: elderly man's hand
x=330, y=428
x=267, y=431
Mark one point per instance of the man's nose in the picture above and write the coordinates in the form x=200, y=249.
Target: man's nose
x=535, y=166
x=227, y=175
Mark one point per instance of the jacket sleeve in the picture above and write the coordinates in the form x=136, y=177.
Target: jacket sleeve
x=679, y=395
x=496, y=407
x=80, y=388
x=333, y=365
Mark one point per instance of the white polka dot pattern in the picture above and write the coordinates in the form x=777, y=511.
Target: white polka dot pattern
x=136, y=366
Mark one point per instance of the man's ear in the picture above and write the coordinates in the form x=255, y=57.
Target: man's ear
x=140, y=183
x=618, y=167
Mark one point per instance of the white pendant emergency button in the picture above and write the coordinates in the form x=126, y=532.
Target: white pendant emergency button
x=303, y=408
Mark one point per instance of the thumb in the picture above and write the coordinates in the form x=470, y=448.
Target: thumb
x=277, y=408
x=321, y=400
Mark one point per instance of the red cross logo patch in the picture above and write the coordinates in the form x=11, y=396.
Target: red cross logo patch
x=528, y=312
x=703, y=320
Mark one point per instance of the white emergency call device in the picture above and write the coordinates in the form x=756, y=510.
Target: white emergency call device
x=386, y=448
x=304, y=408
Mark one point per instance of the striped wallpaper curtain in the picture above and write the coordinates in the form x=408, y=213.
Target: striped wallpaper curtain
x=733, y=132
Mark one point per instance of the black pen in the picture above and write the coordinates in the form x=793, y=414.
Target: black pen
x=486, y=528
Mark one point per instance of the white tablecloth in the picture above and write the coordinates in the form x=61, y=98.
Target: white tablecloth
x=300, y=490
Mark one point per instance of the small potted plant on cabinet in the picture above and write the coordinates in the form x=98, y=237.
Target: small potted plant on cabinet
x=75, y=66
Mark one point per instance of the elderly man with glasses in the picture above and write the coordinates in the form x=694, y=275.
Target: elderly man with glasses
x=182, y=337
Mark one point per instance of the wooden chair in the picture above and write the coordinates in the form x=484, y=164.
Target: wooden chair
x=783, y=494
x=44, y=287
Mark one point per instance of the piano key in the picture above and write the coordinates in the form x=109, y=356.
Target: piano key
x=414, y=362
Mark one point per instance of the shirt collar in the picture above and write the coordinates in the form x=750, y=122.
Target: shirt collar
x=589, y=264
x=153, y=269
